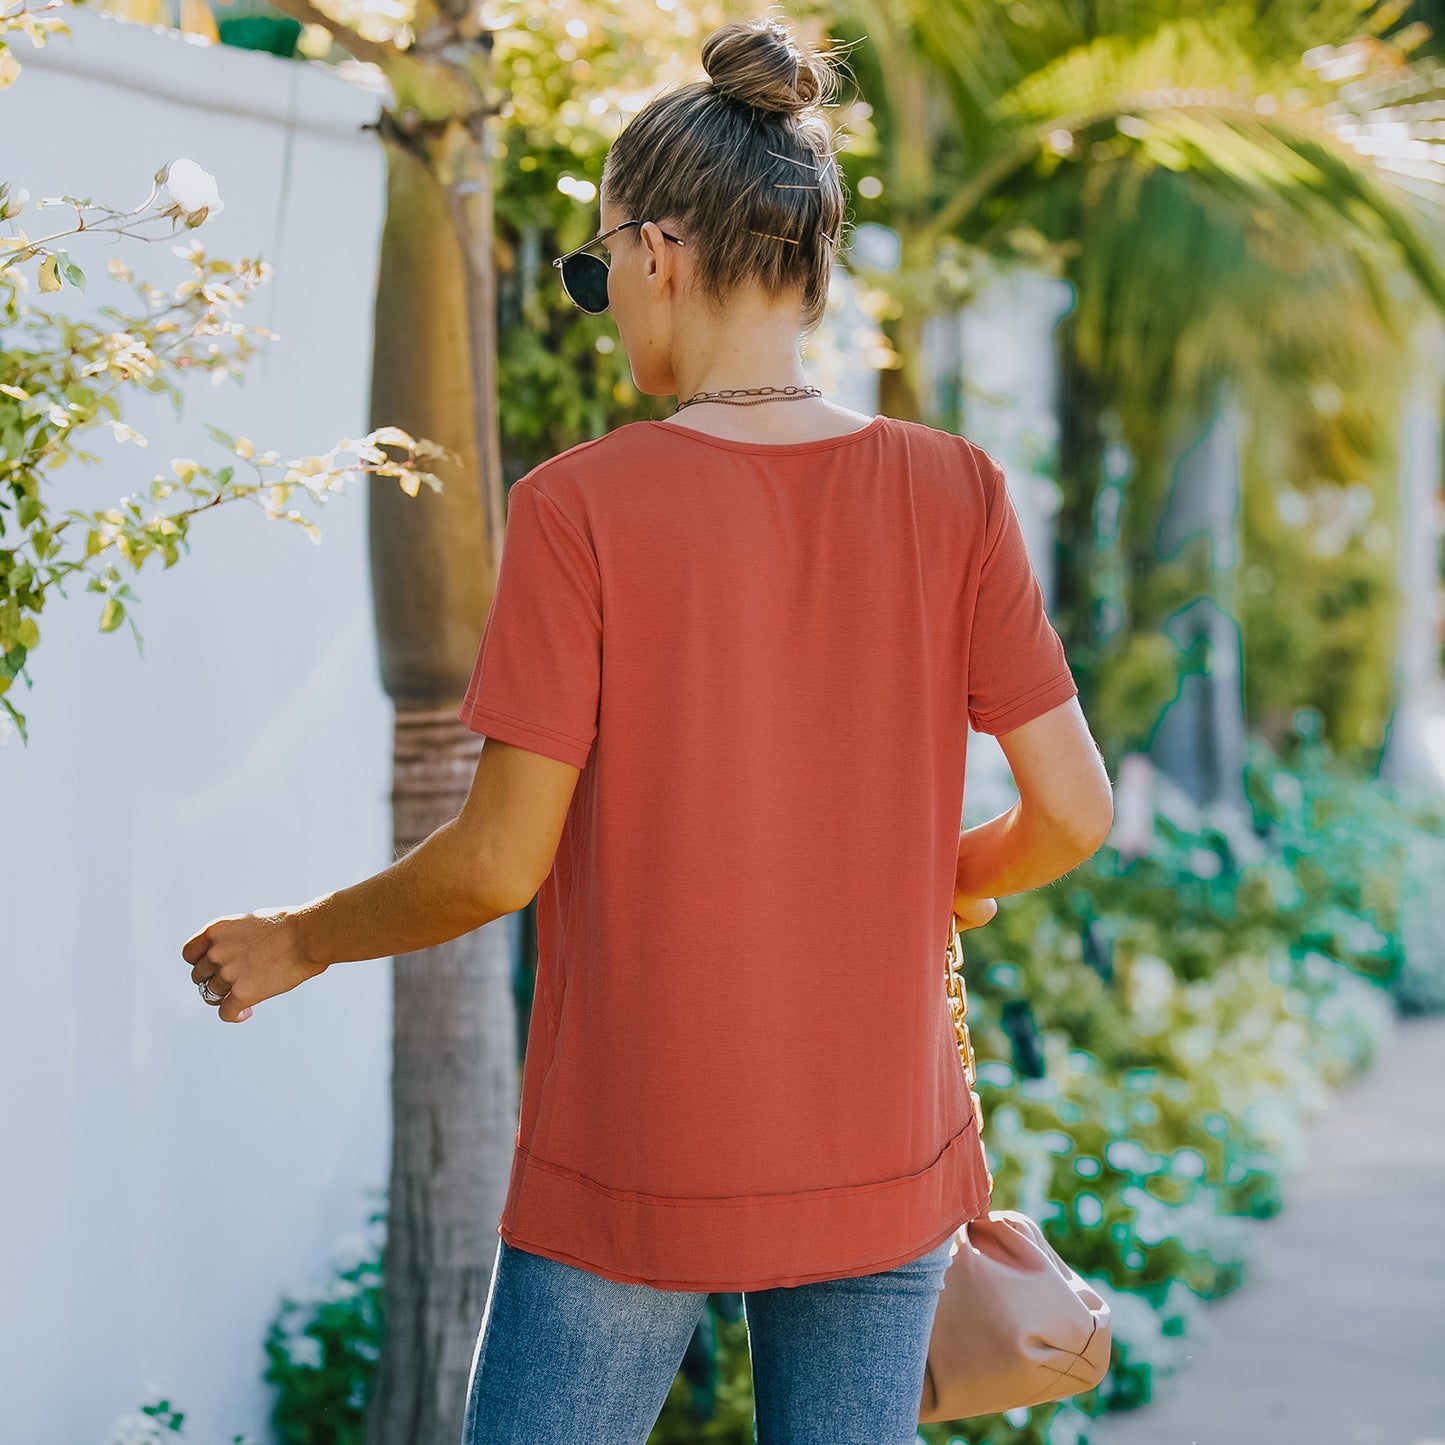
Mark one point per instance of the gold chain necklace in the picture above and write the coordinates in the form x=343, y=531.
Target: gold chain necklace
x=784, y=393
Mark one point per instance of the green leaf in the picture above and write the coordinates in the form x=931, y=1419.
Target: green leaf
x=70, y=270
x=29, y=634
x=113, y=615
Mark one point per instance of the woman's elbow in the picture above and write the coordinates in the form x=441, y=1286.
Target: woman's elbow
x=1089, y=805
x=1090, y=827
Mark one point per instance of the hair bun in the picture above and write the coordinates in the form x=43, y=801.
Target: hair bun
x=757, y=62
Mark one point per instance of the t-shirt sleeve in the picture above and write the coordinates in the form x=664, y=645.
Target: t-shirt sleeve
x=538, y=674
x=1017, y=669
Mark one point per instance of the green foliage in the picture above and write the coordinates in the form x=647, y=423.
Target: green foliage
x=1216, y=184
x=323, y=1349
x=275, y=34
x=1321, y=522
x=711, y=1399
x=562, y=375
x=1132, y=691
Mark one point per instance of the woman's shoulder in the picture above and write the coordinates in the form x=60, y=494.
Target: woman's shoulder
x=944, y=439
x=587, y=453
x=587, y=472
x=567, y=477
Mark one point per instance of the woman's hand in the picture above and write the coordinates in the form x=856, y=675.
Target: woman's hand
x=973, y=912
x=248, y=957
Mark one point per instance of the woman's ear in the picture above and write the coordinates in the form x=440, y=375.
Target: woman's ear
x=658, y=262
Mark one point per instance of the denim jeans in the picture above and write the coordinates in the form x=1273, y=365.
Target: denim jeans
x=564, y=1356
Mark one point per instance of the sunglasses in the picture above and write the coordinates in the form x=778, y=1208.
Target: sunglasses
x=584, y=278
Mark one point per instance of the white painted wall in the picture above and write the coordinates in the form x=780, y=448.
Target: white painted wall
x=167, y=1176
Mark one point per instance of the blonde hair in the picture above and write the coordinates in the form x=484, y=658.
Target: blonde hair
x=744, y=162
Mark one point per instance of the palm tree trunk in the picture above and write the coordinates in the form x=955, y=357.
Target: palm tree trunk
x=1200, y=739
x=910, y=165
x=900, y=387
x=1081, y=465
x=434, y=556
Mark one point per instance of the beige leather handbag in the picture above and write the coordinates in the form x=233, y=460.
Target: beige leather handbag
x=1015, y=1325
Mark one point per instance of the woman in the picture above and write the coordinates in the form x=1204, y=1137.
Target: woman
x=726, y=683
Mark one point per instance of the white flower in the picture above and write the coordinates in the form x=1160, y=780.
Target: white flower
x=193, y=189
x=305, y=1351
x=137, y=1428
x=1151, y=985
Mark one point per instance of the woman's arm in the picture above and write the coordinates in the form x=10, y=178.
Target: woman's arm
x=1064, y=812
x=488, y=861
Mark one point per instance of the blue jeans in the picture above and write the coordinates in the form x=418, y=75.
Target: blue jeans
x=564, y=1355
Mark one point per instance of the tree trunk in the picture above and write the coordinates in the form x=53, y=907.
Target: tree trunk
x=911, y=181
x=1200, y=739
x=1081, y=466
x=899, y=387
x=434, y=557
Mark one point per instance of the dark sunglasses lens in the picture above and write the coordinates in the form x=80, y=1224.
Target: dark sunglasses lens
x=585, y=278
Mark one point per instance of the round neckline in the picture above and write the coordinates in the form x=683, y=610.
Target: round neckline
x=822, y=444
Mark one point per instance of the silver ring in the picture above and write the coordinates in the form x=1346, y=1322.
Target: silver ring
x=205, y=988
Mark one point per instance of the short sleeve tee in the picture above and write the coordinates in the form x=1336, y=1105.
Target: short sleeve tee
x=765, y=659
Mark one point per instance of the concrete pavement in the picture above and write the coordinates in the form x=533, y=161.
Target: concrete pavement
x=1337, y=1336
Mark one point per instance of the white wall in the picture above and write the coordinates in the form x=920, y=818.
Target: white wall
x=168, y=1176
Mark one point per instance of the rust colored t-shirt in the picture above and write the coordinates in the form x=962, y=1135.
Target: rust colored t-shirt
x=741, y=1070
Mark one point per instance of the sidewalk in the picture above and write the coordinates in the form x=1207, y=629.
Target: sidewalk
x=1337, y=1336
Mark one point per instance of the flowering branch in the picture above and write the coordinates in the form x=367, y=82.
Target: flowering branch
x=61, y=379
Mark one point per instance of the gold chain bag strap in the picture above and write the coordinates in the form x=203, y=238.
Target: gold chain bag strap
x=1015, y=1325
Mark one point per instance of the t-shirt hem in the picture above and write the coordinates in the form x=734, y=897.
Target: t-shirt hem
x=744, y=1242
x=548, y=1251
x=523, y=734
x=1032, y=704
